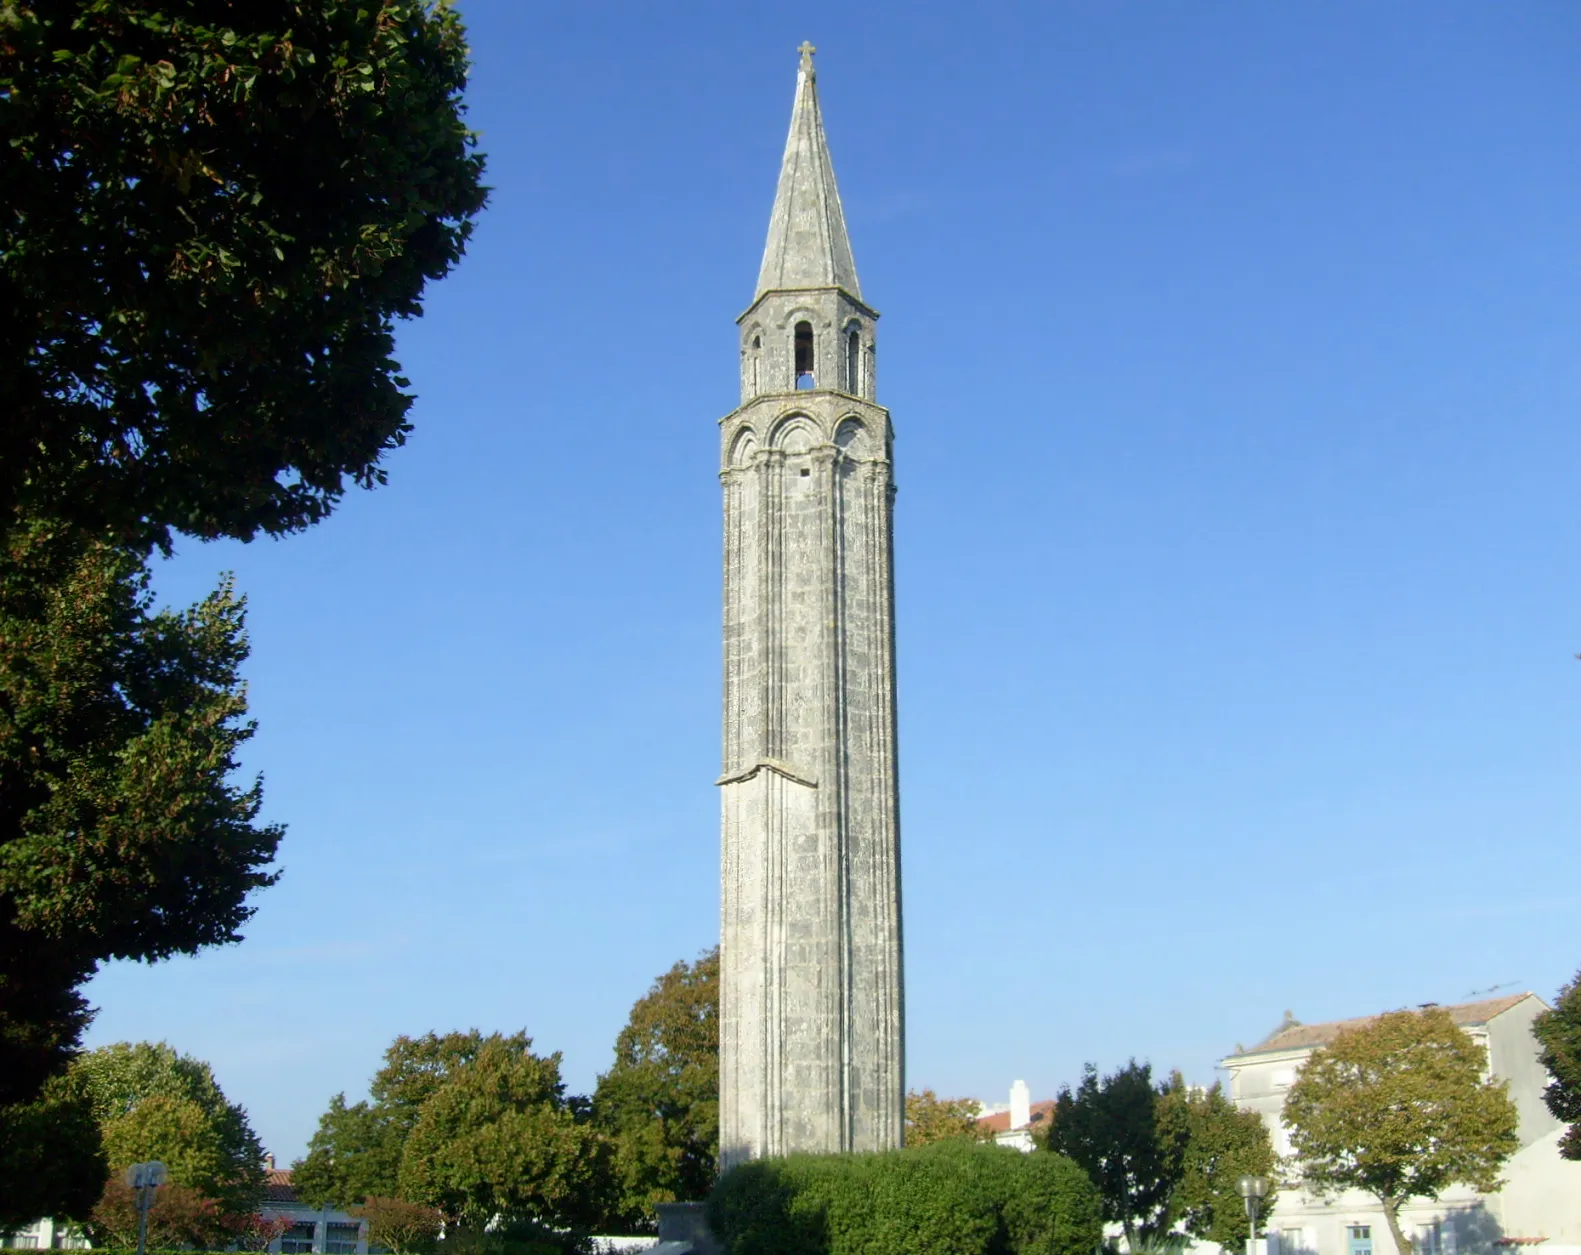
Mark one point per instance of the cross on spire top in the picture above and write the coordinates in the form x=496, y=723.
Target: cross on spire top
x=806, y=51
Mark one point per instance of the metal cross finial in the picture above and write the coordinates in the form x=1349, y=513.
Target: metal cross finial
x=806, y=51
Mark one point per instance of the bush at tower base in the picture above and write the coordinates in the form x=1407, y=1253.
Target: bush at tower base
x=948, y=1198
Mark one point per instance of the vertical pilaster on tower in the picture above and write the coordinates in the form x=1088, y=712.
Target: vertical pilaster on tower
x=811, y=1023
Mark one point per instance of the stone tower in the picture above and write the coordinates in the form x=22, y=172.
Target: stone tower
x=811, y=1032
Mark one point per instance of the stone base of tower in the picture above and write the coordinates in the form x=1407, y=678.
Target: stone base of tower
x=683, y=1230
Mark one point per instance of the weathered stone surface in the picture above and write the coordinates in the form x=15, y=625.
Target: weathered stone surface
x=812, y=1039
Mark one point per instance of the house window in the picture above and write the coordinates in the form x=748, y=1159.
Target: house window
x=1429, y=1239
x=19, y=1241
x=804, y=356
x=853, y=361
x=1291, y=1241
x=298, y=1239
x=341, y=1238
x=68, y=1239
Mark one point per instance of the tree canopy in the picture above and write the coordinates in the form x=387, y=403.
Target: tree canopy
x=1211, y=1144
x=154, y=1103
x=500, y=1140
x=400, y=1227
x=476, y=1127
x=1398, y=1108
x=122, y=834
x=213, y=214
x=1559, y=1032
x=930, y=1118
x=51, y=1157
x=356, y=1151
x=1110, y=1128
x=659, y=1101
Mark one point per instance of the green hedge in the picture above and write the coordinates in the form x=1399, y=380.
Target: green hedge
x=949, y=1198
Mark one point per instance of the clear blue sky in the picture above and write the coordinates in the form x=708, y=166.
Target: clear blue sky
x=1232, y=352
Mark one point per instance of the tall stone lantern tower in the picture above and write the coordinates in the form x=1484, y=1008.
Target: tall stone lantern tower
x=811, y=1017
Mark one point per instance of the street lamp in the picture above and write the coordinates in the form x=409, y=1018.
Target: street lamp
x=1253, y=1190
x=145, y=1178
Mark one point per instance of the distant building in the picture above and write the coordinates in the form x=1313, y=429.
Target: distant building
x=1539, y=1204
x=314, y=1230
x=43, y=1235
x=1017, y=1122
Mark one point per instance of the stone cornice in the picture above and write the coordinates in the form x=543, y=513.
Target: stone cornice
x=763, y=296
x=767, y=764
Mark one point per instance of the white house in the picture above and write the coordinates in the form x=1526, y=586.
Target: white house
x=1015, y=1123
x=43, y=1235
x=1540, y=1204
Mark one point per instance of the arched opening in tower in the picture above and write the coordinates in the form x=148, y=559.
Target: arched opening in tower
x=804, y=375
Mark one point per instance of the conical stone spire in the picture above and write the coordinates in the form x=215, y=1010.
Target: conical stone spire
x=807, y=245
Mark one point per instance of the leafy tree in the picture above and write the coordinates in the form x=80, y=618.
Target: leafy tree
x=1559, y=1033
x=121, y=835
x=499, y=1139
x=400, y=1227
x=213, y=214
x=1110, y=1128
x=210, y=217
x=1215, y=1144
x=180, y=1216
x=659, y=1102
x=252, y=1231
x=930, y=1118
x=1398, y=1108
x=153, y=1103
x=50, y=1156
x=356, y=1151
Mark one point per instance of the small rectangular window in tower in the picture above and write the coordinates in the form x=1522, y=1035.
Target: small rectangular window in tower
x=853, y=362
x=804, y=374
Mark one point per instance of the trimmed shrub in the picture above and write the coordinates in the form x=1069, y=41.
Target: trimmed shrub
x=949, y=1198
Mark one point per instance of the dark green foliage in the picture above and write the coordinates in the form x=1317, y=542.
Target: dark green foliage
x=153, y=1103
x=1215, y=1143
x=478, y=1127
x=950, y=1198
x=212, y=215
x=354, y=1155
x=659, y=1102
x=121, y=835
x=1110, y=1128
x=51, y=1161
x=356, y=1152
x=500, y=1140
x=1559, y=1032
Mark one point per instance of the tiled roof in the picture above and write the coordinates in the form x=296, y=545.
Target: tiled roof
x=1302, y=1036
x=999, y=1122
x=278, y=1187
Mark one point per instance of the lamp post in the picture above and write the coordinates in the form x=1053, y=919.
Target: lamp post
x=1253, y=1190
x=145, y=1178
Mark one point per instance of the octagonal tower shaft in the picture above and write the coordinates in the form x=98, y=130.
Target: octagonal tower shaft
x=811, y=1016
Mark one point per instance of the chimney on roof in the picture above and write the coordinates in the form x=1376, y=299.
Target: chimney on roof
x=1020, y=1105
x=268, y=1162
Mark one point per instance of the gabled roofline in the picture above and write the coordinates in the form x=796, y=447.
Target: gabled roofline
x=1473, y=1015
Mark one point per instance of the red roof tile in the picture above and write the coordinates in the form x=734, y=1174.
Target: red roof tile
x=278, y=1187
x=999, y=1122
x=1304, y=1035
